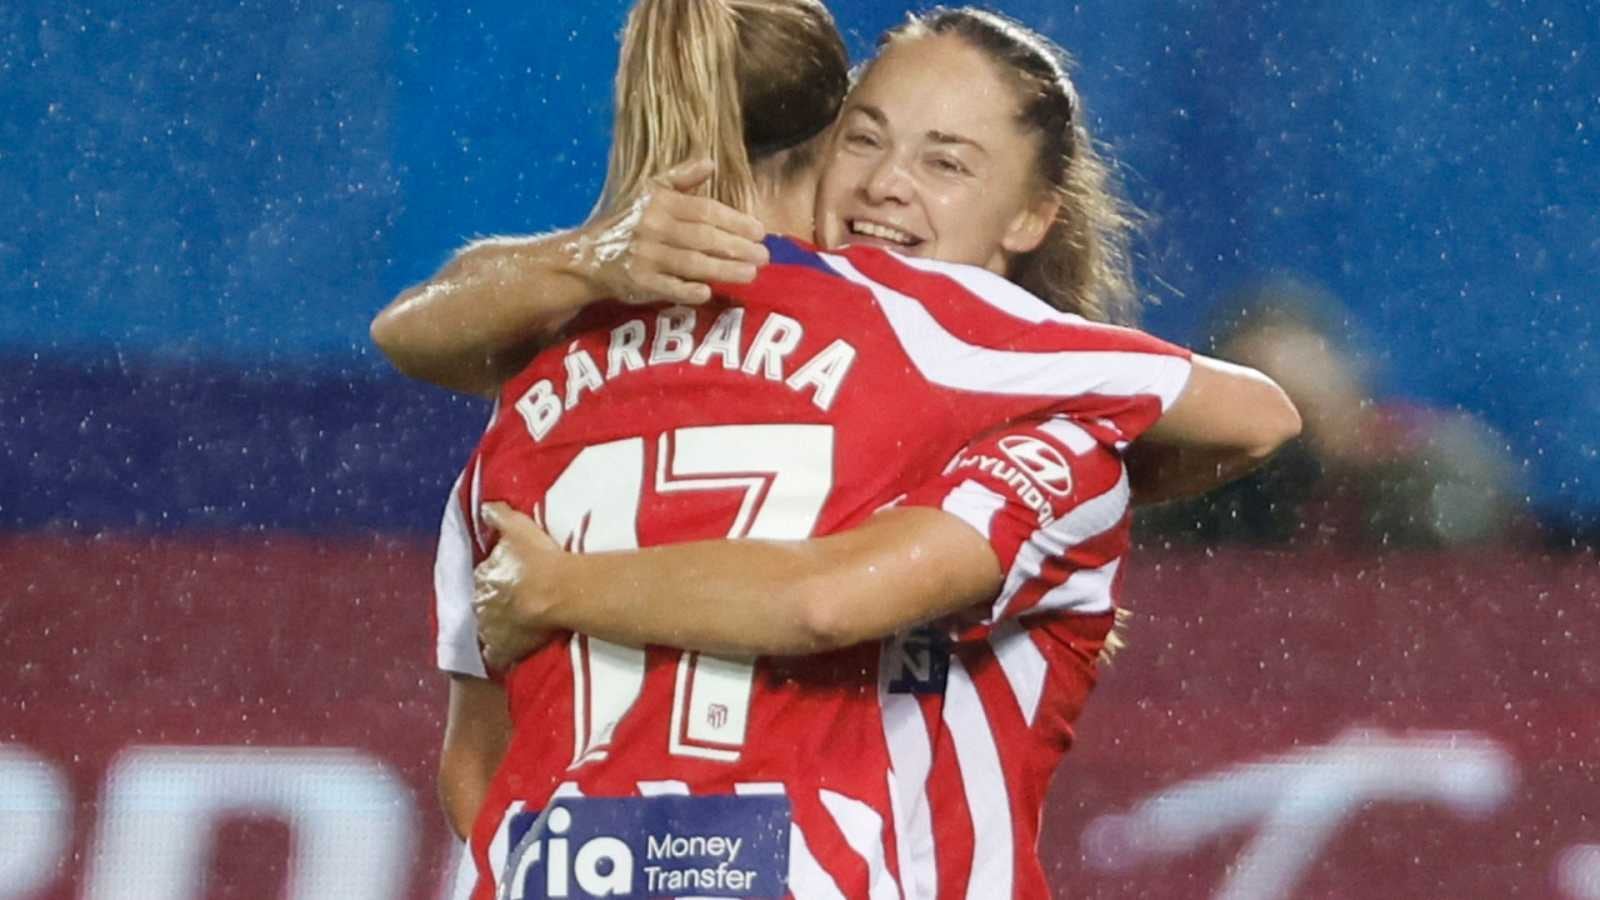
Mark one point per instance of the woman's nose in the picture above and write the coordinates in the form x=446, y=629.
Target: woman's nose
x=888, y=182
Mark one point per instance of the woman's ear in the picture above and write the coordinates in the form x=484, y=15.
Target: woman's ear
x=1028, y=229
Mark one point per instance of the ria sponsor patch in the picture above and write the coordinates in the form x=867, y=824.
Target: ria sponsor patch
x=706, y=846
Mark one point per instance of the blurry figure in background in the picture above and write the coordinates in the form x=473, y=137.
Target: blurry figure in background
x=1378, y=472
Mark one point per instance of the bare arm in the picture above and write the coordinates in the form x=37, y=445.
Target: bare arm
x=481, y=317
x=476, y=731
x=1228, y=420
x=900, y=568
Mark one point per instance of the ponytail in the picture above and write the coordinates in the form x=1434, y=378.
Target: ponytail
x=678, y=98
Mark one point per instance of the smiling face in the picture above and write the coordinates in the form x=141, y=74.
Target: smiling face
x=928, y=160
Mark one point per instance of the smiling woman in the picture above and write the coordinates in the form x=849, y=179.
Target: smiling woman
x=965, y=142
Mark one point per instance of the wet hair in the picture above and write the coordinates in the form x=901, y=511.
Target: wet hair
x=1083, y=265
x=743, y=82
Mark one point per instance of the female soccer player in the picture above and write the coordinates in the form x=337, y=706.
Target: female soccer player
x=1000, y=735
x=985, y=229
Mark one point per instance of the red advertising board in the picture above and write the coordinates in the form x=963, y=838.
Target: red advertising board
x=258, y=717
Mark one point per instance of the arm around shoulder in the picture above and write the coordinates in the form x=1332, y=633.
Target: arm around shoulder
x=484, y=315
x=1228, y=420
x=1229, y=407
x=480, y=318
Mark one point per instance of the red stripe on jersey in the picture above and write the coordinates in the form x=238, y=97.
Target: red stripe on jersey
x=1098, y=551
x=827, y=842
x=1029, y=755
x=952, y=818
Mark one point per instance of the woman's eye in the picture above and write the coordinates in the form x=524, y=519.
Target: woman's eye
x=860, y=139
x=948, y=166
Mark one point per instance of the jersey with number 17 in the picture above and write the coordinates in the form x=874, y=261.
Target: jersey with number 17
x=793, y=406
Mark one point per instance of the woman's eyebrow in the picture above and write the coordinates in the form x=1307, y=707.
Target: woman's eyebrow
x=945, y=137
x=881, y=118
x=872, y=112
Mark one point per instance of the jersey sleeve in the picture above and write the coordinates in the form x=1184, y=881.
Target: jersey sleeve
x=456, y=648
x=1053, y=503
x=1010, y=354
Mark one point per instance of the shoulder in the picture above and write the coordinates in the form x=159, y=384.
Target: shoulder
x=1052, y=468
x=981, y=307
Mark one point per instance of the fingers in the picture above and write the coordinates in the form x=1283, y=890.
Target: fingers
x=689, y=175
x=717, y=242
x=692, y=265
x=703, y=210
x=657, y=287
x=501, y=657
x=491, y=513
x=489, y=603
x=540, y=539
x=677, y=243
x=495, y=660
x=509, y=521
x=679, y=267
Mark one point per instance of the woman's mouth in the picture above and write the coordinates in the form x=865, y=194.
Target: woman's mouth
x=883, y=235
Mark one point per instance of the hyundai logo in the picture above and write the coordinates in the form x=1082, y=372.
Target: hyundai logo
x=1040, y=462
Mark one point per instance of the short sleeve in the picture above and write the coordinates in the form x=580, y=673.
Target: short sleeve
x=456, y=647
x=1053, y=503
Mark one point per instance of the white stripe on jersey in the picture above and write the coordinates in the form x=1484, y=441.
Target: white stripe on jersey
x=476, y=506
x=984, y=785
x=669, y=788
x=995, y=290
x=1088, y=519
x=975, y=505
x=1070, y=434
x=1086, y=591
x=500, y=844
x=464, y=875
x=946, y=360
x=456, y=645
x=862, y=828
x=910, y=760
x=808, y=880
x=1024, y=666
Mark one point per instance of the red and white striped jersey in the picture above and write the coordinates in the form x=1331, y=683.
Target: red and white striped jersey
x=793, y=406
x=974, y=758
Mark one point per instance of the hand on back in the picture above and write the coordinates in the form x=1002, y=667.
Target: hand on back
x=511, y=588
x=670, y=244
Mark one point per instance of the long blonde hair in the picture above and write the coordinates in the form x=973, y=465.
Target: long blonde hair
x=734, y=80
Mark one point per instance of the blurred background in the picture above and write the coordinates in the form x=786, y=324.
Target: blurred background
x=217, y=505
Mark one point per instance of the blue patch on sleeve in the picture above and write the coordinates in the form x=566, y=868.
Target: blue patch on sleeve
x=702, y=846
x=788, y=253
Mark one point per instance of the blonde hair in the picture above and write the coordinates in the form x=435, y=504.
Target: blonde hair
x=1084, y=264
x=737, y=81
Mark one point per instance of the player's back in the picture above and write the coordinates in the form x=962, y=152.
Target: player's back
x=780, y=410
x=793, y=406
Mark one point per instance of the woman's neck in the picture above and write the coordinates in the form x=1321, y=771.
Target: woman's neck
x=788, y=207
